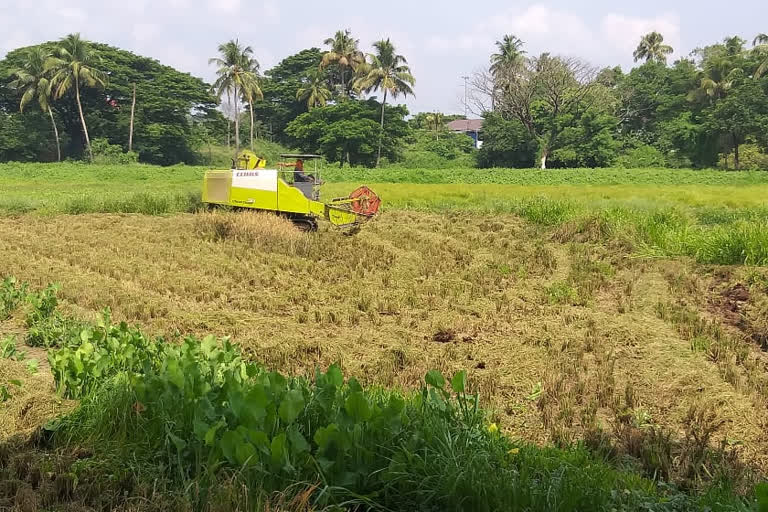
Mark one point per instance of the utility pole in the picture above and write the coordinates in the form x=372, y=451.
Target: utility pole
x=133, y=110
x=466, y=103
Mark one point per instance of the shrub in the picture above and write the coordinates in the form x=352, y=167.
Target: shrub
x=105, y=153
x=641, y=156
x=751, y=157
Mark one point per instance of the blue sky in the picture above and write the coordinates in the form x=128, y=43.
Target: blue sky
x=442, y=40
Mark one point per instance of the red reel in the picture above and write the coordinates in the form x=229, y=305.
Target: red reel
x=366, y=201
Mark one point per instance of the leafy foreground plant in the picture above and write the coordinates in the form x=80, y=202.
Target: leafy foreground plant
x=197, y=418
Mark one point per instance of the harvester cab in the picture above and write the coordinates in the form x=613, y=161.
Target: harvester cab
x=291, y=190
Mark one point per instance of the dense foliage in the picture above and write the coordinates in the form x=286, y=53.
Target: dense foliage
x=167, y=102
x=348, y=131
x=688, y=114
x=280, y=86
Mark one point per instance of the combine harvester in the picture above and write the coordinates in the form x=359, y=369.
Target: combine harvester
x=289, y=191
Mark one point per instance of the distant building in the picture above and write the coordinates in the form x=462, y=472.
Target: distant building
x=471, y=127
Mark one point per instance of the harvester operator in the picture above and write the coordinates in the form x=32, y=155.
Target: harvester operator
x=299, y=174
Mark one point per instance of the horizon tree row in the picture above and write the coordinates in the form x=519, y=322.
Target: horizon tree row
x=705, y=110
x=698, y=112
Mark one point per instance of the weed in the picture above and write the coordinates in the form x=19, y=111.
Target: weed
x=12, y=294
x=8, y=349
x=562, y=292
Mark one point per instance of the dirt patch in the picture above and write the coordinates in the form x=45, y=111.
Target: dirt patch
x=444, y=336
x=734, y=305
x=729, y=303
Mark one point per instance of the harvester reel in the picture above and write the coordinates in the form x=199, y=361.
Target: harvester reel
x=365, y=202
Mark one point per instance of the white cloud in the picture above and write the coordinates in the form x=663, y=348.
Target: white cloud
x=228, y=6
x=610, y=39
x=624, y=32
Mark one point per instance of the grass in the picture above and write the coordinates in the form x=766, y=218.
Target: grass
x=196, y=425
x=712, y=216
x=602, y=176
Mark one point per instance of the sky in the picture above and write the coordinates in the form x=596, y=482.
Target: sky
x=442, y=40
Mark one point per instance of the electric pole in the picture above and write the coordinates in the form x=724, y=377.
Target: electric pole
x=466, y=104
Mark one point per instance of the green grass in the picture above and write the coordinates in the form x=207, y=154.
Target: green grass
x=80, y=188
x=608, y=176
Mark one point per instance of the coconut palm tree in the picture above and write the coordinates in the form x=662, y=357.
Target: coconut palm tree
x=435, y=121
x=315, y=90
x=652, y=47
x=389, y=72
x=344, y=52
x=75, y=65
x=509, y=56
x=719, y=77
x=33, y=83
x=760, y=45
x=235, y=77
x=252, y=90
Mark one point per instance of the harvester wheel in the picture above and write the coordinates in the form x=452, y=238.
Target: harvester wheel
x=305, y=225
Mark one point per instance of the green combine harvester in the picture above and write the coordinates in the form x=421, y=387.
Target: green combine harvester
x=288, y=190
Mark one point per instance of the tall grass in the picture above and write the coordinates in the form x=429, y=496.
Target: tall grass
x=139, y=202
x=606, y=176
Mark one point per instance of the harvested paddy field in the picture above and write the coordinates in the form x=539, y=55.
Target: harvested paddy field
x=562, y=335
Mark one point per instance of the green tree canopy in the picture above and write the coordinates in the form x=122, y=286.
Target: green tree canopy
x=33, y=83
x=506, y=143
x=348, y=132
x=281, y=85
x=388, y=72
x=742, y=114
x=167, y=103
x=343, y=58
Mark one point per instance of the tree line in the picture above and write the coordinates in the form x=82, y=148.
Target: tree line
x=558, y=111
x=329, y=92
x=705, y=110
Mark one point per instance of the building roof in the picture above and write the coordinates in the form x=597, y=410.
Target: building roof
x=466, y=125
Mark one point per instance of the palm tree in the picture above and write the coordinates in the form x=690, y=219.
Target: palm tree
x=235, y=77
x=33, y=83
x=760, y=44
x=314, y=91
x=652, y=47
x=252, y=90
x=509, y=56
x=73, y=66
x=345, y=53
x=719, y=77
x=388, y=72
x=435, y=120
